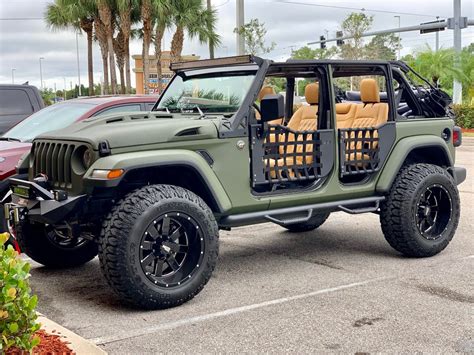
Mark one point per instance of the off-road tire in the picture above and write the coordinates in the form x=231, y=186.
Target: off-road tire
x=398, y=212
x=123, y=231
x=33, y=241
x=315, y=222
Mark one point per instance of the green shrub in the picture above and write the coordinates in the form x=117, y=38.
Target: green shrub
x=17, y=306
x=464, y=115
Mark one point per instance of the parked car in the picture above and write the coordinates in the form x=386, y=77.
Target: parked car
x=16, y=103
x=149, y=192
x=17, y=141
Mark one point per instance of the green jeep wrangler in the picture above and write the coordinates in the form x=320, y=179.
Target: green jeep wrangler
x=233, y=142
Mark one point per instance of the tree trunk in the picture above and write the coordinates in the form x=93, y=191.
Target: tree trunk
x=146, y=59
x=146, y=14
x=160, y=31
x=128, y=78
x=113, y=73
x=122, y=78
x=87, y=25
x=105, y=66
x=102, y=39
x=90, y=63
x=125, y=26
x=177, y=44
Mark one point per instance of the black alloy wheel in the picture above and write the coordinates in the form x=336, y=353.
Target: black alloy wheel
x=171, y=249
x=434, y=210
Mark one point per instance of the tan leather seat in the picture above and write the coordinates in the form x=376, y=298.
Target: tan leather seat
x=370, y=114
x=345, y=113
x=264, y=91
x=304, y=119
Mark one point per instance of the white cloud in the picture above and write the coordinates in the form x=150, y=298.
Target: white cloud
x=22, y=42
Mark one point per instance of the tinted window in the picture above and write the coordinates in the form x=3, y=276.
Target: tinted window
x=149, y=106
x=14, y=102
x=48, y=119
x=120, y=108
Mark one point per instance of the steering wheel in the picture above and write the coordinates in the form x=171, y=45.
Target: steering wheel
x=257, y=108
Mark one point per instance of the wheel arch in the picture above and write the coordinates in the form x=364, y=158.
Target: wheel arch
x=186, y=169
x=425, y=149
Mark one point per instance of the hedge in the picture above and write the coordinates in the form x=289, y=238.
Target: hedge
x=464, y=115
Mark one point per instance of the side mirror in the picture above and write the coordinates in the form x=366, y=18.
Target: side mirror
x=272, y=107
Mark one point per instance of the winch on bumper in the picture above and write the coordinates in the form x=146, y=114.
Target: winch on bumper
x=39, y=204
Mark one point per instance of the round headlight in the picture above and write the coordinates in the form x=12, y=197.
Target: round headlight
x=87, y=158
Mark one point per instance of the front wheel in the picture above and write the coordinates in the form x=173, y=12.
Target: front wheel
x=159, y=246
x=49, y=247
x=421, y=213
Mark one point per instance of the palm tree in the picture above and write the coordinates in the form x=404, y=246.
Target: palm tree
x=78, y=15
x=120, y=57
x=163, y=15
x=106, y=15
x=437, y=65
x=101, y=36
x=128, y=13
x=147, y=17
x=193, y=17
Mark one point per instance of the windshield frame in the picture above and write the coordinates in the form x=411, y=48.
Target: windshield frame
x=247, y=78
x=231, y=126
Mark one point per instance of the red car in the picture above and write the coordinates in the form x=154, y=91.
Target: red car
x=17, y=141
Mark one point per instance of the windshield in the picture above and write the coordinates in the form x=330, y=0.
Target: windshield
x=221, y=94
x=48, y=119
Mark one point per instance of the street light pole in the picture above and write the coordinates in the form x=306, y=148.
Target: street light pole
x=437, y=37
x=240, y=23
x=41, y=73
x=78, y=68
x=457, y=87
x=399, y=39
x=13, y=75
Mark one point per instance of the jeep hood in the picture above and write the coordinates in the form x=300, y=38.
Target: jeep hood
x=135, y=129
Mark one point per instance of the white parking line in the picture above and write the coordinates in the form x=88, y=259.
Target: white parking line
x=130, y=333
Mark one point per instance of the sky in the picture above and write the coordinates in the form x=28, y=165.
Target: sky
x=290, y=24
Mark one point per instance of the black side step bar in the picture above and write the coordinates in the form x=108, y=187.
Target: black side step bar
x=289, y=215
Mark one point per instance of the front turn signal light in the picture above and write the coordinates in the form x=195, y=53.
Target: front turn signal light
x=107, y=174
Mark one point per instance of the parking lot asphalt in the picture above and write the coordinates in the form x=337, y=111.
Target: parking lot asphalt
x=340, y=288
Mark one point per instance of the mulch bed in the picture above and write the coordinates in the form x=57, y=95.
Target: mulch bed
x=51, y=344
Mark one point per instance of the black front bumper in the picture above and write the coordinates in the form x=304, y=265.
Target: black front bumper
x=39, y=204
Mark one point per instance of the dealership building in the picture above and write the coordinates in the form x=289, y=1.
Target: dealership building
x=167, y=74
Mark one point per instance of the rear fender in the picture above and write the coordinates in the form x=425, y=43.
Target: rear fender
x=434, y=145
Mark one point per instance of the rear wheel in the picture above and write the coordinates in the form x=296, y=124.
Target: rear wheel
x=421, y=213
x=159, y=246
x=51, y=248
x=315, y=222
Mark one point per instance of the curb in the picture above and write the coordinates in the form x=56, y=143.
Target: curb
x=77, y=343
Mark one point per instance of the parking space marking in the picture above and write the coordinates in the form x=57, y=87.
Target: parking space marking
x=128, y=334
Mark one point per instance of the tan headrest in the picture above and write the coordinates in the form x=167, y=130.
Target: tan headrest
x=311, y=92
x=369, y=91
x=266, y=90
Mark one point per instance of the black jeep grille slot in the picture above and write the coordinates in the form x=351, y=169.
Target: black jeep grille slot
x=54, y=160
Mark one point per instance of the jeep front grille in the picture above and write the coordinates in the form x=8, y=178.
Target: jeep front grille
x=54, y=160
